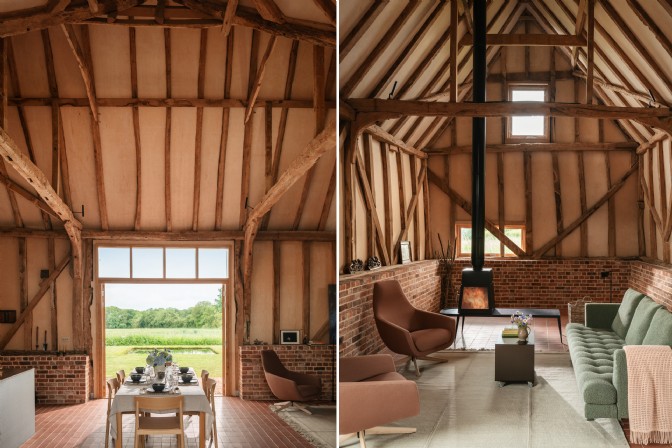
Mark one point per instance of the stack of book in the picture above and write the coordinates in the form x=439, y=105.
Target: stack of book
x=510, y=332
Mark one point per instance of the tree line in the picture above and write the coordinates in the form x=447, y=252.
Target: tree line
x=202, y=315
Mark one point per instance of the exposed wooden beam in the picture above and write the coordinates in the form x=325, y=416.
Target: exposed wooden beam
x=269, y=11
x=463, y=7
x=277, y=278
x=34, y=301
x=305, y=307
x=454, y=22
x=409, y=49
x=410, y=210
x=159, y=12
x=228, y=103
x=538, y=147
x=658, y=137
x=392, y=31
x=580, y=18
x=84, y=68
x=259, y=78
x=61, y=13
x=223, y=141
x=136, y=130
x=229, y=15
x=616, y=186
x=167, y=135
x=328, y=200
x=198, y=142
x=282, y=126
x=384, y=136
x=647, y=20
x=299, y=166
x=248, y=17
x=14, y=187
x=362, y=25
x=639, y=96
x=328, y=7
x=590, y=51
x=371, y=208
x=529, y=40
x=503, y=108
x=93, y=6
x=247, y=132
x=26, y=314
x=466, y=206
x=4, y=85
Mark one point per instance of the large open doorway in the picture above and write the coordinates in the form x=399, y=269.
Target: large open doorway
x=163, y=296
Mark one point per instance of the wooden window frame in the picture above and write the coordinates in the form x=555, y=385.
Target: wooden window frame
x=527, y=138
x=501, y=254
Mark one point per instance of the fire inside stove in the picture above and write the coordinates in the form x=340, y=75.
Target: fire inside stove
x=475, y=298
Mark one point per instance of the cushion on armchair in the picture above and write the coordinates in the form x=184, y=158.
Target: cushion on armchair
x=627, y=309
x=641, y=321
x=660, y=331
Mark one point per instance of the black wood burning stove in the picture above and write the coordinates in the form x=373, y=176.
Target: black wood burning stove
x=476, y=294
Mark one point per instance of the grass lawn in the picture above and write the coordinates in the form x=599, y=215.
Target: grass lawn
x=120, y=343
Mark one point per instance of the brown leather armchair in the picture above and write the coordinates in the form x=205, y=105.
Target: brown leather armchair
x=372, y=393
x=406, y=330
x=288, y=385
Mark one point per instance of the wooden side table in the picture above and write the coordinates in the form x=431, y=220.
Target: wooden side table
x=514, y=362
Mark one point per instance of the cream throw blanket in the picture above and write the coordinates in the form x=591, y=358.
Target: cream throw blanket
x=650, y=393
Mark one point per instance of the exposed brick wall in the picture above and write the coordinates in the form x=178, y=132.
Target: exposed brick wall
x=518, y=283
x=311, y=359
x=421, y=284
x=549, y=283
x=59, y=379
x=654, y=280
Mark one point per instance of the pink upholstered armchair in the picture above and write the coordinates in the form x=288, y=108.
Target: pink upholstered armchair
x=407, y=330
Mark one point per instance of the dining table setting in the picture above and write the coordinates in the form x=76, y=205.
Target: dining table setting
x=160, y=383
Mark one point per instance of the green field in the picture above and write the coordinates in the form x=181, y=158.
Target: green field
x=121, y=343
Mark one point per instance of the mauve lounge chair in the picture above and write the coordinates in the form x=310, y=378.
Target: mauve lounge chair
x=287, y=385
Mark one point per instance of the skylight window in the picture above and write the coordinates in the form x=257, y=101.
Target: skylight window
x=528, y=128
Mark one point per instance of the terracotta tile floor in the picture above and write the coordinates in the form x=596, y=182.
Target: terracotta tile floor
x=240, y=424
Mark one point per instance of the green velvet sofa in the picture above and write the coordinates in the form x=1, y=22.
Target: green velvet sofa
x=596, y=349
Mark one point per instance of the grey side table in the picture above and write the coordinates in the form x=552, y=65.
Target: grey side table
x=514, y=362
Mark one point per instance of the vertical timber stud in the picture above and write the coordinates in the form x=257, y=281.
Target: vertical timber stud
x=167, y=139
x=221, y=165
x=199, y=132
x=641, y=237
x=428, y=216
x=136, y=130
x=277, y=263
x=23, y=295
x=415, y=217
x=454, y=21
x=370, y=226
x=4, y=76
x=652, y=201
x=387, y=195
x=663, y=200
x=590, y=50
x=247, y=135
x=306, y=289
x=348, y=206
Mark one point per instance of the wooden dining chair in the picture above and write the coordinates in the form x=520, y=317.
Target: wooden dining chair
x=150, y=426
x=121, y=376
x=204, y=379
x=210, y=394
x=112, y=388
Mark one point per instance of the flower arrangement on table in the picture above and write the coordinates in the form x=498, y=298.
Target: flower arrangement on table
x=159, y=359
x=521, y=320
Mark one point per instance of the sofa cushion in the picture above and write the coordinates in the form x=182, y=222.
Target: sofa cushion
x=621, y=323
x=641, y=321
x=387, y=376
x=592, y=355
x=660, y=330
x=431, y=338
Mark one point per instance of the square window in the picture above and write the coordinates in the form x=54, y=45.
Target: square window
x=527, y=128
x=114, y=262
x=180, y=263
x=147, y=262
x=213, y=263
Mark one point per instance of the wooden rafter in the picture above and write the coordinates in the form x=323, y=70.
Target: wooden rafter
x=84, y=67
x=529, y=40
x=256, y=85
x=62, y=12
x=248, y=134
x=392, y=31
x=454, y=22
x=658, y=137
x=328, y=200
x=463, y=8
x=229, y=103
x=410, y=211
x=615, y=187
x=538, y=147
x=270, y=11
x=590, y=51
x=362, y=25
x=384, y=136
x=248, y=17
x=229, y=15
x=328, y=7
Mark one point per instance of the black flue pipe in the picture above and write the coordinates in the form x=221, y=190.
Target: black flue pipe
x=478, y=141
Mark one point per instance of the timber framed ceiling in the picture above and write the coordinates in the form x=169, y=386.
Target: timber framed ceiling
x=168, y=116
x=408, y=43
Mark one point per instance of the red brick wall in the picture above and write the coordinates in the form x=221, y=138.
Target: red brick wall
x=518, y=283
x=59, y=379
x=654, y=280
x=311, y=359
x=550, y=283
x=421, y=284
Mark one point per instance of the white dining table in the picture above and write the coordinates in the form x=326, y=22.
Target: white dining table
x=194, y=401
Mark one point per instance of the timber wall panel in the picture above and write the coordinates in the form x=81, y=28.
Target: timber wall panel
x=152, y=124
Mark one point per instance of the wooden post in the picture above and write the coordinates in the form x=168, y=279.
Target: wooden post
x=454, y=22
x=221, y=165
x=527, y=167
x=370, y=226
x=306, y=289
x=652, y=202
x=277, y=263
x=590, y=51
x=199, y=132
x=167, y=135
